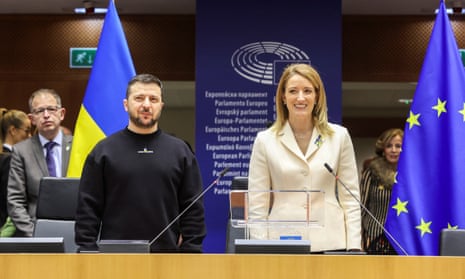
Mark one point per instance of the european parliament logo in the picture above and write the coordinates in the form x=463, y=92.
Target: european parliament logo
x=263, y=62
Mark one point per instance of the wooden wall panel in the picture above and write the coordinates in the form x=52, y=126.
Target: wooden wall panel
x=35, y=53
x=389, y=48
x=386, y=48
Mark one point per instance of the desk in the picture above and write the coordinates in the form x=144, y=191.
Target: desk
x=228, y=266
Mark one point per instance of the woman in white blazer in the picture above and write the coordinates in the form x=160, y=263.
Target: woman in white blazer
x=291, y=155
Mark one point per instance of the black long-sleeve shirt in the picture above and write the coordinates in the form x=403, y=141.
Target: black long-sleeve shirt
x=135, y=185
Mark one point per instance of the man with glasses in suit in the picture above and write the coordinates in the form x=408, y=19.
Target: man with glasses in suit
x=45, y=154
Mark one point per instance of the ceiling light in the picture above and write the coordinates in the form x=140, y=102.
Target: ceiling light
x=96, y=11
x=453, y=11
x=89, y=8
x=456, y=7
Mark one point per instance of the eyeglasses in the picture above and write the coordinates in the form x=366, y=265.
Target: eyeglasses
x=50, y=109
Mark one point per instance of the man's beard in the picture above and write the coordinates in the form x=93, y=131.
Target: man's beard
x=140, y=124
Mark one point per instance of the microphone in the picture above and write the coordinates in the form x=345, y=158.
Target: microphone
x=220, y=175
x=366, y=209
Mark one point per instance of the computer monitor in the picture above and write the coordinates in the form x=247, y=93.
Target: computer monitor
x=124, y=246
x=254, y=246
x=32, y=245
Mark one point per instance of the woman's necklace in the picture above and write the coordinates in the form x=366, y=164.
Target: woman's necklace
x=303, y=136
x=303, y=140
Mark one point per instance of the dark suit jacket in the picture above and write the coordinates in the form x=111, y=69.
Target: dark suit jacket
x=27, y=167
x=4, y=168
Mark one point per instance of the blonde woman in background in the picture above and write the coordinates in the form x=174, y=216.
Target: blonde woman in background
x=15, y=126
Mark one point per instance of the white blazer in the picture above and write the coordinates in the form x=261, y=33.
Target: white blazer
x=277, y=163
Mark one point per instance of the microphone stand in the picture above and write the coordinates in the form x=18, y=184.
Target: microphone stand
x=222, y=173
x=366, y=209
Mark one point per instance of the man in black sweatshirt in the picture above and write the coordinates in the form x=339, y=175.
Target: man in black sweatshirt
x=138, y=180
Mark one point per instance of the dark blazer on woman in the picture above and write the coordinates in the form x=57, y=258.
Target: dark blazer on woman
x=5, y=157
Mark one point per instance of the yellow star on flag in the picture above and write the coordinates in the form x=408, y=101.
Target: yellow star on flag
x=413, y=119
x=424, y=227
x=400, y=206
x=440, y=107
x=450, y=227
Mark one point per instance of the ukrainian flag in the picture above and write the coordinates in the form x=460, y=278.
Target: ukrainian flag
x=102, y=112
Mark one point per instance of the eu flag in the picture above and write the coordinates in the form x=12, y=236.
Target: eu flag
x=102, y=112
x=430, y=185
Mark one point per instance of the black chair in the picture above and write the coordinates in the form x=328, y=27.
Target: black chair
x=56, y=210
x=233, y=233
x=452, y=242
x=240, y=183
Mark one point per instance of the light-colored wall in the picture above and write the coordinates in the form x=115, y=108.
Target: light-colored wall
x=179, y=122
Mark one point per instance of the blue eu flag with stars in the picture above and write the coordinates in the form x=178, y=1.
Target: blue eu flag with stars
x=429, y=192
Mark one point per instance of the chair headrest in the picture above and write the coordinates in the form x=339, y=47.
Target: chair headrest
x=57, y=198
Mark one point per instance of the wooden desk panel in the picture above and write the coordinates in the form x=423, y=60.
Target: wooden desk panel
x=206, y=266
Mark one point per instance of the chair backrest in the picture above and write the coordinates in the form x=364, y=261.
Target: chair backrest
x=232, y=233
x=452, y=242
x=57, y=198
x=240, y=183
x=56, y=210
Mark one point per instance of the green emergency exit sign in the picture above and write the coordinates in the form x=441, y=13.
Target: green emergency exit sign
x=80, y=57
